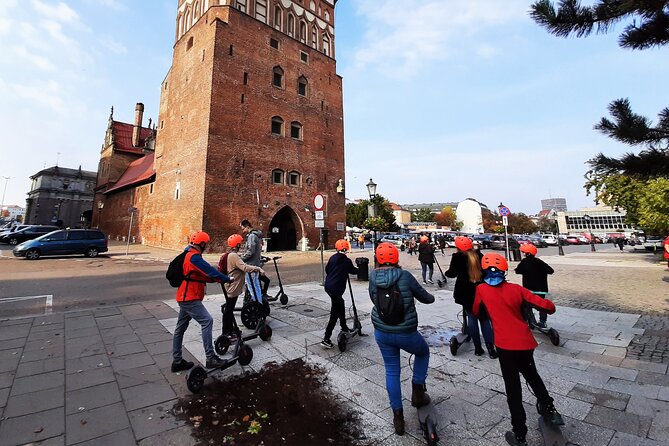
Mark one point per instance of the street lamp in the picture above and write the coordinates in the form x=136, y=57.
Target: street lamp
x=101, y=204
x=2, y=205
x=371, y=189
x=586, y=217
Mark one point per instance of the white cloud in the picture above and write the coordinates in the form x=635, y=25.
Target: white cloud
x=405, y=35
x=61, y=12
x=40, y=62
x=113, y=45
x=113, y=4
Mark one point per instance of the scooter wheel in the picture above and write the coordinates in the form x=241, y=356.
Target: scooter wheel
x=265, y=332
x=454, y=345
x=195, y=379
x=283, y=299
x=245, y=355
x=223, y=308
x=554, y=336
x=222, y=344
x=341, y=342
x=252, y=313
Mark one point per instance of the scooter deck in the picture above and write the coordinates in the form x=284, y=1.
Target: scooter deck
x=552, y=434
x=427, y=418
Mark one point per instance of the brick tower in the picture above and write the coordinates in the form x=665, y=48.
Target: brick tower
x=250, y=125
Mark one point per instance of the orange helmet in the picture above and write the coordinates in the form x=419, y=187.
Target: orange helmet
x=387, y=254
x=463, y=243
x=491, y=260
x=235, y=240
x=342, y=245
x=528, y=248
x=423, y=238
x=199, y=237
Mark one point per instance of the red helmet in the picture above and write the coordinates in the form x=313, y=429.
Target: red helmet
x=491, y=260
x=235, y=240
x=342, y=245
x=387, y=254
x=199, y=237
x=528, y=248
x=423, y=238
x=463, y=243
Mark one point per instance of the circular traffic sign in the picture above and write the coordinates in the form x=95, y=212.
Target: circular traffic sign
x=504, y=211
x=319, y=202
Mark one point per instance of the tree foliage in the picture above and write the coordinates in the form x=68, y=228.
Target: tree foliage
x=547, y=225
x=492, y=222
x=357, y=213
x=375, y=224
x=446, y=218
x=422, y=214
x=520, y=223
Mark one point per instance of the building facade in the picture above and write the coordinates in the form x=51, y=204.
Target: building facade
x=402, y=216
x=599, y=220
x=61, y=196
x=13, y=212
x=556, y=204
x=250, y=126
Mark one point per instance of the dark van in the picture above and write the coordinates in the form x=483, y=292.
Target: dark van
x=89, y=242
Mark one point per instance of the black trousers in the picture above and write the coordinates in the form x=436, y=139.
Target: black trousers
x=513, y=363
x=265, y=284
x=229, y=315
x=337, y=312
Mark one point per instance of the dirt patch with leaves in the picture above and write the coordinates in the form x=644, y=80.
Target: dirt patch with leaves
x=286, y=403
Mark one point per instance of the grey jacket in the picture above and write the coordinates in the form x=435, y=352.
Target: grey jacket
x=409, y=287
x=251, y=255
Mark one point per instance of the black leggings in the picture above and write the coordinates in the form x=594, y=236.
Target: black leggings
x=513, y=363
x=265, y=284
x=229, y=315
x=337, y=312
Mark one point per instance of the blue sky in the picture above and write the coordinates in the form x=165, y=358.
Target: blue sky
x=443, y=99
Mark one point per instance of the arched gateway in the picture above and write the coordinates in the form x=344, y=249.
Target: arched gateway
x=285, y=230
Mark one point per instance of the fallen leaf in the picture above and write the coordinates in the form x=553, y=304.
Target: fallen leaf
x=246, y=418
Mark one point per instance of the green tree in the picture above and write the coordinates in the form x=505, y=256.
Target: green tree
x=446, y=218
x=422, y=214
x=357, y=213
x=490, y=221
x=375, y=224
x=520, y=223
x=546, y=224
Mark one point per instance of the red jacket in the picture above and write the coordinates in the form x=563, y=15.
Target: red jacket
x=666, y=248
x=199, y=272
x=503, y=303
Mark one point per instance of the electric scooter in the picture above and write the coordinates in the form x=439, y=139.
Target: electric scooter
x=443, y=281
x=552, y=333
x=460, y=338
x=344, y=337
x=262, y=331
x=552, y=433
x=427, y=418
x=253, y=309
x=281, y=296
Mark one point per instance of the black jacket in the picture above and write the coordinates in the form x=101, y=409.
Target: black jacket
x=426, y=253
x=535, y=273
x=338, y=268
x=464, y=290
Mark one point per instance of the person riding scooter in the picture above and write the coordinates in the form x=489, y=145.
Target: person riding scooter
x=535, y=276
x=338, y=268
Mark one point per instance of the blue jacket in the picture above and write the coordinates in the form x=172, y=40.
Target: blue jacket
x=387, y=276
x=338, y=268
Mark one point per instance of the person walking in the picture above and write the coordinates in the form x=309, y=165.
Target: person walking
x=620, y=241
x=338, y=268
x=465, y=266
x=232, y=264
x=535, y=276
x=389, y=280
x=252, y=256
x=666, y=250
x=197, y=272
x=426, y=258
x=515, y=344
x=361, y=241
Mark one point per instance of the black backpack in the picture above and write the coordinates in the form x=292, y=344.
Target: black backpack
x=390, y=304
x=175, y=272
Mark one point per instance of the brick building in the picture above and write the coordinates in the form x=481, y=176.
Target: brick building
x=250, y=126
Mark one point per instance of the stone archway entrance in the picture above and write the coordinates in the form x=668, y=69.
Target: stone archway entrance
x=285, y=230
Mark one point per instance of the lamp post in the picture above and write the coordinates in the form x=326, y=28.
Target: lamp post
x=101, y=204
x=586, y=217
x=2, y=205
x=371, y=189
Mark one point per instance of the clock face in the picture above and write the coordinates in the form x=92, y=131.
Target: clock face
x=319, y=202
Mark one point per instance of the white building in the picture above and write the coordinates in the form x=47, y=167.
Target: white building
x=12, y=212
x=602, y=220
x=468, y=213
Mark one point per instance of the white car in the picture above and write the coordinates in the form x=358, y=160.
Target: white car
x=653, y=244
x=550, y=239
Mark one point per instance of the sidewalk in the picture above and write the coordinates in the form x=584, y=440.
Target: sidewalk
x=102, y=377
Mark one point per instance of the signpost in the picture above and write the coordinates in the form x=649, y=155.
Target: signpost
x=132, y=211
x=319, y=214
x=505, y=212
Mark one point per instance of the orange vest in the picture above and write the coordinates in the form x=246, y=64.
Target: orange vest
x=192, y=288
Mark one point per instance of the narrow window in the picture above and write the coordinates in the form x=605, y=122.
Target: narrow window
x=278, y=15
x=314, y=37
x=177, y=190
x=261, y=10
x=246, y=78
x=291, y=24
x=151, y=188
x=312, y=6
x=189, y=44
x=162, y=124
x=231, y=49
x=241, y=5
x=294, y=179
x=242, y=98
x=296, y=130
x=274, y=43
x=327, y=16
x=326, y=45
x=303, y=32
x=202, y=55
x=302, y=86
x=277, y=176
x=277, y=126
x=277, y=79
x=304, y=57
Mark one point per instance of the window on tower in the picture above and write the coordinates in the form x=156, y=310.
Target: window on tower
x=274, y=43
x=314, y=37
x=277, y=126
x=277, y=176
x=296, y=130
x=291, y=24
x=303, y=32
x=261, y=10
x=294, y=178
x=302, y=86
x=304, y=57
x=241, y=5
x=326, y=45
x=277, y=78
x=278, y=15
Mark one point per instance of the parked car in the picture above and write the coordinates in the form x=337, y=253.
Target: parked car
x=497, y=242
x=396, y=240
x=89, y=242
x=28, y=233
x=11, y=228
x=573, y=240
x=483, y=240
x=538, y=241
x=549, y=239
x=653, y=243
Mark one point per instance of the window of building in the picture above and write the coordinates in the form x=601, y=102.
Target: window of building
x=189, y=44
x=303, y=32
x=278, y=17
x=261, y=10
x=177, y=190
x=294, y=179
x=312, y=6
x=302, y=86
x=277, y=125
x=246, y=78
x=326, y=45
x=151, y=188
x=291, y=24
x=295, y=130
x=277, y=78
x=241, y=5
x=314, y=37
x=277, y=176
x=274, y=43
x=304, y=57
x=327, y=16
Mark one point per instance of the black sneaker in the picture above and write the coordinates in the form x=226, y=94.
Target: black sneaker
x=541, y=324
x=182, y=365
x=327, y=344
x=511, y=438
x=550, y=414
x=214, y=362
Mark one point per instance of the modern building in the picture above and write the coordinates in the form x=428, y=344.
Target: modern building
x=250, y=127
x=433, y=207
x=599, y=220
x=556, y=204
x=61, y=196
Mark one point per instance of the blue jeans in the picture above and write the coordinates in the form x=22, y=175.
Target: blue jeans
x=473, y=329
x=390, y=345
x=193, y=310
x=424, y=267
x=253, y=285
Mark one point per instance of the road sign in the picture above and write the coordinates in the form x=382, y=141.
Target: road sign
x=319, y=202
x=320, y=224
x=505, y=220
x=504, y=211
x=320, y=215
